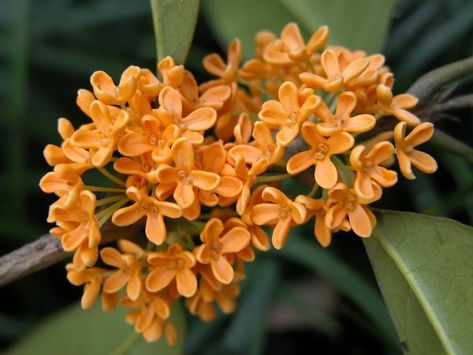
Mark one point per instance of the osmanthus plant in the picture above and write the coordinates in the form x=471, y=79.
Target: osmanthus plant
x=200, y=166
x=194, y=176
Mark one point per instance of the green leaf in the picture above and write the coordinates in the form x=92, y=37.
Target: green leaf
x=351, y=23
x=95, y=332
x=174, y=25
x=424, y=266
x=344, y=278
x=248, y=329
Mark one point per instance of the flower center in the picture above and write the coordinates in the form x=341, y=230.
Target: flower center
x=215, y=249
x=350, y=203
x=322, y=150
x=153, y=139
x=284, y=212
x=184, y=176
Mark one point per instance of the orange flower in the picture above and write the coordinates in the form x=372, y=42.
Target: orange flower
x=318, y=209
x=344, y=203
x=322, y=149
x=281, y=211
x=259, y=238
x=217, y=247
x=342, y=119
x=174, y=264
x=335, y=76
x=106, y=91
x=82, y=229
x=103, y=138
x=214, y=160
x=152, y=317
x=170, y=111
x=291, y=47
x=397, y=105
x=129, y=269
x=153, y=209
x=65, y=182
x=287, y=113
x=173, y=75
x=263, y=147
x=407, y=155
x=184, y=176
x=215, y=65
x=91, y=278
x=368, y=171
x=152, y=138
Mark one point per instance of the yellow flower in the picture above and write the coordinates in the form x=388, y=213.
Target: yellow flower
x=343, y=203
x=106, y=91
x=183, y=177
x=91, y=278
x=322, y=149
x=281, y=212
x=174, y=264
x=291, y=48
x=334, y=77
x=218, y=246
x=342, y=120
x=104, y=135
x=397, y=105
x=129, y=269
x=288, y=113
x=170, y=112
x=318, y=209
x=368, y=169
x=407, y=155
x=215, y=65
x=152, y=208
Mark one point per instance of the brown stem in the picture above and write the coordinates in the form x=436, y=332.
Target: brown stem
x=47, y=250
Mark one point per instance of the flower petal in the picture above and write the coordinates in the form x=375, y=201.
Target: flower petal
x=128, y=215
x=201, y=119
x=235, y=240
x=265, y=213
x=222, y=270
x=186, y=282
x=115, y=281
x=423, y=161
x=205, y=180
x=155, y=228
x=360, y=221
x=300, y=162
x=281, y=232
x=159, y=278
x=326, y=174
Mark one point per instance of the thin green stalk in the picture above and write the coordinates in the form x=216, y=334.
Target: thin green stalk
x=106, y=213
x=124, y=347
x=272, y=178
x=107, y=200
x=103, y=189
x=113, y=178
x=314, y=190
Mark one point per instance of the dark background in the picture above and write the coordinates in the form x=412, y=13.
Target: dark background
x=49, y=48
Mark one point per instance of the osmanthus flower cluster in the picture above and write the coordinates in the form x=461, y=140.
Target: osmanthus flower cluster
x=199, y=166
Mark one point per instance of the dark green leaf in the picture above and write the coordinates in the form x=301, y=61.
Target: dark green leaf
x=95, y=332
x=351, y=23
x=344, y=278
x=424, y=268
x=174, y=25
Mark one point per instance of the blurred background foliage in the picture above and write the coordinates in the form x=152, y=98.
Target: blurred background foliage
x=305, y=296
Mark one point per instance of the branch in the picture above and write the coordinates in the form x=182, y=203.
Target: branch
x=47, y=250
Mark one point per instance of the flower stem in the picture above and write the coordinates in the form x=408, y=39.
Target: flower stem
x=113, y=178
x=106, y=213
x=314, y=190
x=272, y=178
x=103, y=189
x=107, y=200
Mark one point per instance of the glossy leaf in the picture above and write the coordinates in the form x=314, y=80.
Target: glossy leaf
x=76, y=331
x=344, y=278
x=424, y=266
x=174, y=25
x=351, y=22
